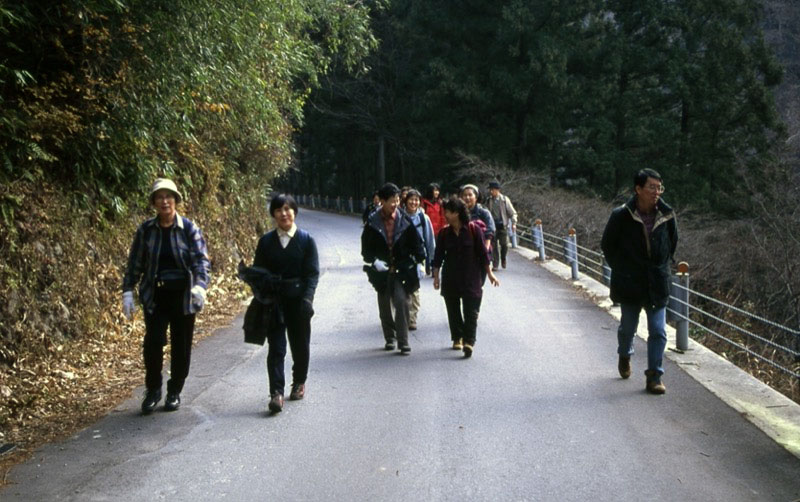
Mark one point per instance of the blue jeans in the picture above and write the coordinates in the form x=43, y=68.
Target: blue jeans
x=656, y=334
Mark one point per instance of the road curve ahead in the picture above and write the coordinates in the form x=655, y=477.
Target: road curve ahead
x=538, y=413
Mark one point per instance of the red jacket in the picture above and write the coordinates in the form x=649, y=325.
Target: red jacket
x=435, y=211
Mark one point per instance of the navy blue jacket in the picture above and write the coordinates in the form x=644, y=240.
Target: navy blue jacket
x=404, y=255
x=640, y=273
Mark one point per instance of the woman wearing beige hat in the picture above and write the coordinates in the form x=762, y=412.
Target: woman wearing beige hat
x=169, y=262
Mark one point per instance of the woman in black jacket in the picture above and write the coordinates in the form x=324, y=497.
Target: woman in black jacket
x=291, y=254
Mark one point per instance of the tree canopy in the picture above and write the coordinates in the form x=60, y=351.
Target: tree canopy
x=104, y=95
x=586, y=92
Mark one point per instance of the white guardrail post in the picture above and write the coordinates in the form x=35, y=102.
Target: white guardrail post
x=682, y=294
x=538, y=238
x=606, y=272
x=572, y=253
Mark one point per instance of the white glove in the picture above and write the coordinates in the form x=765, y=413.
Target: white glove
x=198, y=297
x=380, y=266
x=128, y=305
x=420, y=270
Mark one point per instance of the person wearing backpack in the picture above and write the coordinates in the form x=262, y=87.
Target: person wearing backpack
x=463, y=258
x=425, y=230
x=291, y=254
x=168, y=260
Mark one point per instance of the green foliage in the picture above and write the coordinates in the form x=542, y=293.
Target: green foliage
x=104, y=96
x=585, y=91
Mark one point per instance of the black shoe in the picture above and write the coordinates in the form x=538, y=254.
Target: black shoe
x=389, y=345
x=624, y=366
x=298, y=392
x=412, y=327
x=151, y=399
x=405, y=349
x=276, y=403
x=172, y=402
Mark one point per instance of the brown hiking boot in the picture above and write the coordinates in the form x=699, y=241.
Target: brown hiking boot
x=276, y=403
x=298, y=392
x=654, y=385
x=624, y=366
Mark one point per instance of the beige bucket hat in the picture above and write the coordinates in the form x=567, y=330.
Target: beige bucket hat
x=165, y=184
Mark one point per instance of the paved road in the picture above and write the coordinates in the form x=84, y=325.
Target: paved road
x=538, y=413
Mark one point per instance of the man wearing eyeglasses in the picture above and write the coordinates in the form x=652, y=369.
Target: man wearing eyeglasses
x=638, y=243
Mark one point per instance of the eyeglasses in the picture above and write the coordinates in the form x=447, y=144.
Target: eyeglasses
x=161, y=197
x=655, y=188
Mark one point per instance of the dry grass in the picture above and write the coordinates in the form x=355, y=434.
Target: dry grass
x=67, y=355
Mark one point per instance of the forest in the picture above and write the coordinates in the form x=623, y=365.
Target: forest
x=563, y=100
x=582, y=93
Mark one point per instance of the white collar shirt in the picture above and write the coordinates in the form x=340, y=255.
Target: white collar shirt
x=285, y=236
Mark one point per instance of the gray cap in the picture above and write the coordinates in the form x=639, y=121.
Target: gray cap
x=165, y=184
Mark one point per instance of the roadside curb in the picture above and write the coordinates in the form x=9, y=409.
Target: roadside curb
x=769, y=410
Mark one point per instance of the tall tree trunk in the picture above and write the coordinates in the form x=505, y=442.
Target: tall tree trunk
x=404, y=179
x=619, y=167
x=381, y=160
x=521, y=123
x=684, y=144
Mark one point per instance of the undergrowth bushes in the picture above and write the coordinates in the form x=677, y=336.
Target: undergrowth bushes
x=66, y=352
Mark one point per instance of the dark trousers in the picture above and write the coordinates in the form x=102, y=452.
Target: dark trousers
x=168, y=313
x=499, y=240
x=298, y=329
x=463, y=326
x=393, y=307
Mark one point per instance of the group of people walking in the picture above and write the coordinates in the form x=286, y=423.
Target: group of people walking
x=399, y=249
x=458, y=242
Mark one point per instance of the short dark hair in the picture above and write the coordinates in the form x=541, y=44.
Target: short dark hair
x=413, y=192
x=456, y=205
x=388, y=190
x=640, y=178
x=279, y=201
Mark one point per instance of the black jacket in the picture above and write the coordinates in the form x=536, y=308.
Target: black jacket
x=406, y=251
x=264, y=315
x=278, y=276
x=640, y=273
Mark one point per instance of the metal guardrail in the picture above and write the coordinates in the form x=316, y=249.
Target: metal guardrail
x=681, y=309
x=338, y=204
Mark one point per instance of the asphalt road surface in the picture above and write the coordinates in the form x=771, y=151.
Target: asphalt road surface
x=538, y=413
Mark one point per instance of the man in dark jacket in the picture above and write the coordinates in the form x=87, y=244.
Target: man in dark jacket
x=394, y=254
x=638, y=243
